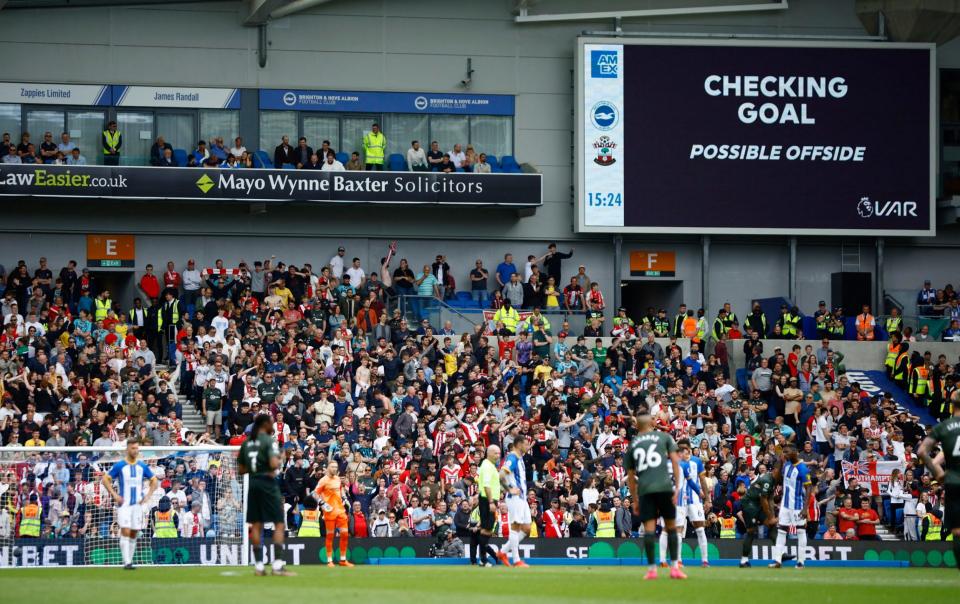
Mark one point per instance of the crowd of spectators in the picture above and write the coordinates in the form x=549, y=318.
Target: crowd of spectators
x=941, y=302
x=407, y=408
x=65, y=152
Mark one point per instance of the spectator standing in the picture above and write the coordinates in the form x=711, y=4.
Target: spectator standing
x=48, y=148
x=478, y=283
x=457, y=156
x=111, y=141
x=149, y=284
x=283, y=154
x=238, y=149
x=374, y=146
x=435, y=156
x=303, y=153
x=336, y=263
x=552, y=261
x=192, y=280
x=417, y=158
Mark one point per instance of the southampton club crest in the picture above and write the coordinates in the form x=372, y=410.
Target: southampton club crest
x=604, y=147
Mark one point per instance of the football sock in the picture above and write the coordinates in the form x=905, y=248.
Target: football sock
x=649, y=545
x=131, y=549
x=801, y=545
x=516, y=545
x=778, y=549
x=674, y=547
x=702, y=541
x=484, y=546
x=123, y=549
x=747, y=547
x=329, y=546
x=344, y=538
x=663, y=545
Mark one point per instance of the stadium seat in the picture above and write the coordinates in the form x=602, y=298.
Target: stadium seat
x=509, y=164
x=180, y=155
x=262, y=160
x=343, y=158
x=396, y=163
x=289, y=167
x=494, y=163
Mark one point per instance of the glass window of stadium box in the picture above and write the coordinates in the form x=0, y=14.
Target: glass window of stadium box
x=179, y=129
x=352, y=129
x=400, y=129
x=136, y=127
x=319, y=128
x=10, y=123
x=85, y=128
x=273, y=126
x=449, y=130
x=492, y=134
x=220, y=122
x=950, y=132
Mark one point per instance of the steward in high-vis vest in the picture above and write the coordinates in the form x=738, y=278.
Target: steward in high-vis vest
x=920, y=386
x=893, y=324
x=720, y=325
x=111, y=142
x=893, y=351
x=756, y=321
x=30, y=518
x=101, y=306
x=165, y=521
x=310, y=523
x=508, y=316
x=901, y=367
x=791, y=324
x=678, y=321
x=374, y=146
x=605, y=524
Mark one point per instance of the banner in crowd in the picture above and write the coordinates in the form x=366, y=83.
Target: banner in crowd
x=301, y=551
x=254, y=185
x=755, y=137
x=872, y=474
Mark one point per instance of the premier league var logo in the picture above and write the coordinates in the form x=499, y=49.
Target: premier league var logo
x=865, y=208
x=604, y=147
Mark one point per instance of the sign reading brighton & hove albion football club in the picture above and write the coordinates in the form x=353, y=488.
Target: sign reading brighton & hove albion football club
x=755, y=137
x=386, y=102
x=132, y=182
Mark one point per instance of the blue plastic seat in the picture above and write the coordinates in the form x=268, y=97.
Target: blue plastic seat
x=509, y=164
x=180, y=156
x=494, y=163
x=396, y=163
x=262, y=160
x=289, y=167
x=343, y=158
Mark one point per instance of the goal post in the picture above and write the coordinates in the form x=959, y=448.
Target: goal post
x=196, y=516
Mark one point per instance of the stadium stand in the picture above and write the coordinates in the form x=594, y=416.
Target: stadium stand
x=360, y=375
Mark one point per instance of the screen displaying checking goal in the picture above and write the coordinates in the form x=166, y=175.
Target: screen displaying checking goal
x=55, y=511
x=758, y=137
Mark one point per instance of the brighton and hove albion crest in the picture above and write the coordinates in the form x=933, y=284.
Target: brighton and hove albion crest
x=604, y=147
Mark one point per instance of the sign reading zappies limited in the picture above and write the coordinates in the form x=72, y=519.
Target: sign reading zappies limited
x=54, y=94
x=701, y=136
x=270, y=185
x=387, y=102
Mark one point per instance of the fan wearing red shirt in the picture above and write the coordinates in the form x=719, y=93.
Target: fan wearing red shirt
x=793, y=360
x=172, y=278
x=506, y=346
x=867, y=521
x=847, y=517
x=149, y=284
x=358, y=522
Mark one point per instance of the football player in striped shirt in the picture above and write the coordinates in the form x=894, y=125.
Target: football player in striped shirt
x=793, y=505
x=129, y=474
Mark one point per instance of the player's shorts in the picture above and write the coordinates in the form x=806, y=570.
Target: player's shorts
x=339, y=521
x=753, y=516
x=657, y=505
x=790, y=517
x=264, y=502
x=692, y=512
x=214, y=418
x=487, y=518
x=518, y=510
x=951, y=507
x=131, y=517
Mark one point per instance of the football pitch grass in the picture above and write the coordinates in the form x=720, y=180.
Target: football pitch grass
x=465, y=585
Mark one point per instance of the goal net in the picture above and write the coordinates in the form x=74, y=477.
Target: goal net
x=195, y=516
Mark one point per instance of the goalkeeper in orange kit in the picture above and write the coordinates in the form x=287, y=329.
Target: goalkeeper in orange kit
x=329, y=493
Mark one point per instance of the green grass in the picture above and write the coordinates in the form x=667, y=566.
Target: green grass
x=466, y=585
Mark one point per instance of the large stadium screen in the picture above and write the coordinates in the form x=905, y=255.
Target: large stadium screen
x=759, y=137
